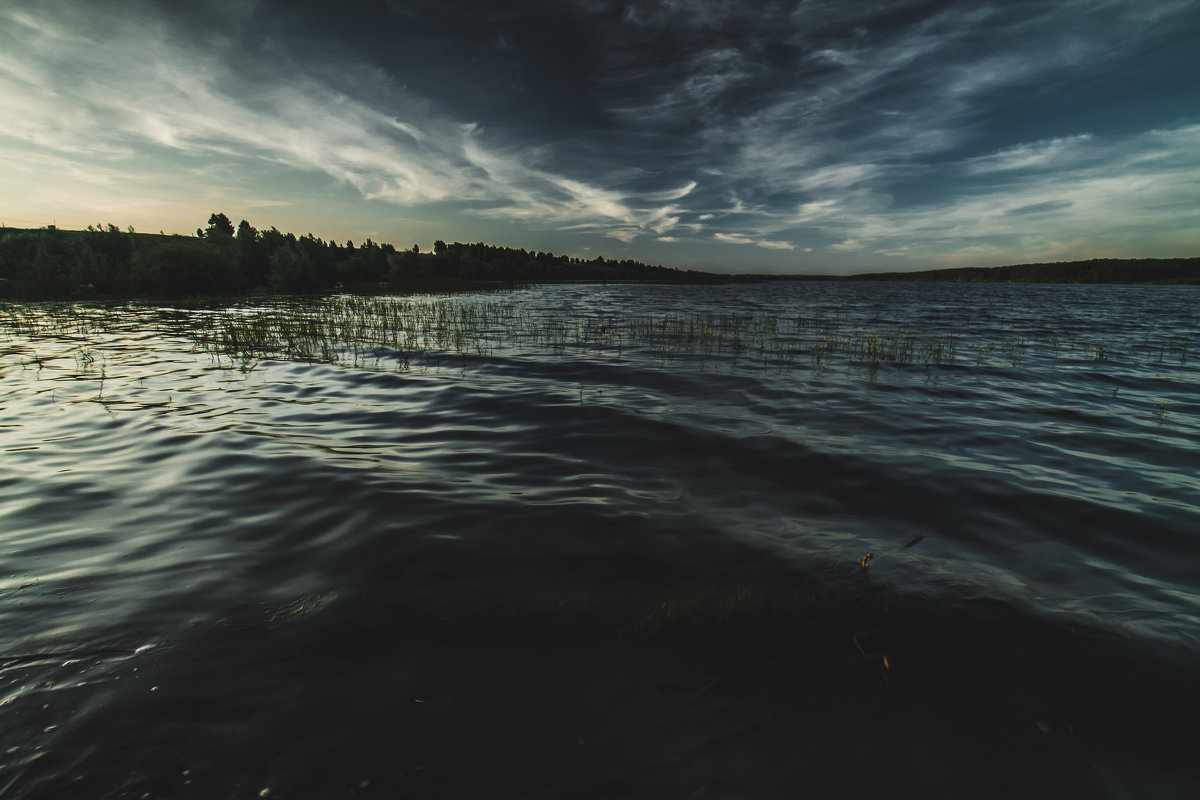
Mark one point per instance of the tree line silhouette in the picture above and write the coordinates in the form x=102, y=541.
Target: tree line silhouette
x=1096, y=270
x=221, y=259
x=105, y=262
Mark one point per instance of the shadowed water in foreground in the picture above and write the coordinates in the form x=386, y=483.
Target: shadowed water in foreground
x=549, y=571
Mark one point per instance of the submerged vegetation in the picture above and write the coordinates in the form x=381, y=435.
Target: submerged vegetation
x=375, y=305
x=430, y=331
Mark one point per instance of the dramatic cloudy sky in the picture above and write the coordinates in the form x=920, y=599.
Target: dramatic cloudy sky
x=800, y=136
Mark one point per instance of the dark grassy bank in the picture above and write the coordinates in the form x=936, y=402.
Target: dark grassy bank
x=106, y=262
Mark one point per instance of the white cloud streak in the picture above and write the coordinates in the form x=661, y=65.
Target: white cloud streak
x=1048, y=154
x=737, y=238
x=812, y=158
x=1091, y=198
x=106, y=94
x=874, y=110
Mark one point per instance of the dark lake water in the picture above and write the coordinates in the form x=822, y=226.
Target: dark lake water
x=605, y=541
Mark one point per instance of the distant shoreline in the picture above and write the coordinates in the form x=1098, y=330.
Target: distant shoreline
x=1096, y=270
x=108, y=263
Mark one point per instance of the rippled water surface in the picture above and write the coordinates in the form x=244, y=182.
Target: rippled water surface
x=572, y=554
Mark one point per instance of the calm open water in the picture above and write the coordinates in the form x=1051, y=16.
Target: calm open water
x=590, y=571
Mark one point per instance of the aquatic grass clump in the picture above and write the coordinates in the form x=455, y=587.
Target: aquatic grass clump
x=483, y=327
x=900, y=347
x=416, y=331
x=61, y=320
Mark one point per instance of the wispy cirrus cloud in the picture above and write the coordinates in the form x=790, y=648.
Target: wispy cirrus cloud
x=1091, y=197
x=733, y=238
x=134, y=89
x=865, y=110
x=1047, y=154
x=738, y=238
x=108, y=94
x=889, y=134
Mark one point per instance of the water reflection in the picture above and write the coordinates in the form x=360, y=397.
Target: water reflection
x=588, y=461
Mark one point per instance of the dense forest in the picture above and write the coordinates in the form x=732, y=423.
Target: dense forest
x=104, y=261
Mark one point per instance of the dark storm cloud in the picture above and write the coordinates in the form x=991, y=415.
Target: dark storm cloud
x=865, y=131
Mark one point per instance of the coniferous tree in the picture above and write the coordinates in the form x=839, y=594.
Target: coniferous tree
x=219, y=226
